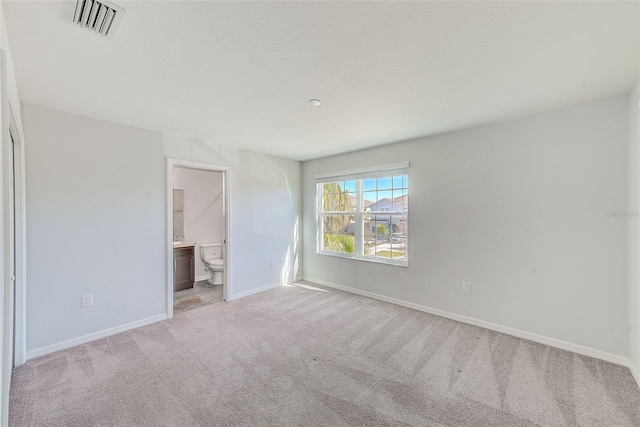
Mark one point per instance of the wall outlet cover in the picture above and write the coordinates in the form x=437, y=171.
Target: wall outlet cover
x=86, y=300
x=466, y=287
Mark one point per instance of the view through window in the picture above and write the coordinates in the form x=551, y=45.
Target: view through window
x=364, y=214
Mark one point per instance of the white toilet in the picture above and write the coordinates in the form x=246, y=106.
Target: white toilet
x=211, y=256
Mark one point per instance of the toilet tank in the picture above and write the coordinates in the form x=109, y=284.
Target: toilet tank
x=209, y=251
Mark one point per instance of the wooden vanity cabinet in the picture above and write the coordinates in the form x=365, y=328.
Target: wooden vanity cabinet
x=183, y=268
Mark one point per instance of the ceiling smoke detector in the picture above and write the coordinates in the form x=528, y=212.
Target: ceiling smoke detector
x=101, y=17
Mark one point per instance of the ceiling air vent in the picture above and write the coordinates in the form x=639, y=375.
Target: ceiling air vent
x=101, y=17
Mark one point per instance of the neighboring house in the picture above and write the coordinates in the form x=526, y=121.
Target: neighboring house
x=403, y=200
x=395, y=223
x=387, y=205
x=366, y=203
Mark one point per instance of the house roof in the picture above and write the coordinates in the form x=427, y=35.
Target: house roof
x=389, y=200
x=402, y=200
x=366, y=203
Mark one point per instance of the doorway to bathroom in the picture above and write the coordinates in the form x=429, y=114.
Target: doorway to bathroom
x=198, y=235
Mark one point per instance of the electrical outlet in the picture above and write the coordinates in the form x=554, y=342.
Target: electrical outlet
x=282, y=262
x=273, y=263
x=86, y=301
x=466, y=287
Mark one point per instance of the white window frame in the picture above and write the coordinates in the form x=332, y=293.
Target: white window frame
x=359, y=175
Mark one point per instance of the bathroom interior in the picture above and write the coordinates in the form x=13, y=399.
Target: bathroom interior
x=198, y=238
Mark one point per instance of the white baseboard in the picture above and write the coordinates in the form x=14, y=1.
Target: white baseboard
x=564, y=345
x=203, y=277
x=254, y=291
x=32, y=354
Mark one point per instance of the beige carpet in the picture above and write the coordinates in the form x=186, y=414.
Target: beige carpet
x=304, y=355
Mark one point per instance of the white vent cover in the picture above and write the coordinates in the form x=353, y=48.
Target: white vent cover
x=101, y=17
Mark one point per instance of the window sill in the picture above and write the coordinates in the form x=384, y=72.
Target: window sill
x=395, y=263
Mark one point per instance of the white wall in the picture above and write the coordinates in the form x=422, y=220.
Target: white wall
x=266, y=210
x=634, y=231
x=12, y=85
x=516, y=208
x=97, y=223
x=203, y=209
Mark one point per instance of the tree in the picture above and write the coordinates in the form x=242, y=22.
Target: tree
x=382, y=230
x=336, y=227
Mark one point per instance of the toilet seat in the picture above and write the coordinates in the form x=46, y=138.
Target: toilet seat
x=215, y=264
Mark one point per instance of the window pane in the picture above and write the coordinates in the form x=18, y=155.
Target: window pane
x=382, y=201
x=351, y=201
x=334, y=198
x=383, y=223
x=386, y=194
x=384, y=183
x=338, y=234
x=366, y=204
x=385, y=236
x=377, y=237
x=400, y=199
x=399, y=230
x=370, y=197
x=370, y=184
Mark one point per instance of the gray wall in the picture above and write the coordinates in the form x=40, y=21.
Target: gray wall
x=516, y=208
x=96, y=221
x=634, y=230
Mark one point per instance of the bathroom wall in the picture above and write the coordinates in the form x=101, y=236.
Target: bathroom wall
x=203, y=209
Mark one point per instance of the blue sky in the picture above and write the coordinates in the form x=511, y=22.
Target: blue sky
x=382, y=185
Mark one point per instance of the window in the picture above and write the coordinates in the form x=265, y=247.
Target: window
x=363, y=214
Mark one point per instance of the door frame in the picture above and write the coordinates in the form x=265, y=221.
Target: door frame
x=12, y=222
x=226, y=186
x=20, y=308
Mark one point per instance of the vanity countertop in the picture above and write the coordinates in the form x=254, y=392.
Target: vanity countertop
x=183, y=244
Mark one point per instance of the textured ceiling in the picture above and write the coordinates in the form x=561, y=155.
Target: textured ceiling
x=241, y=73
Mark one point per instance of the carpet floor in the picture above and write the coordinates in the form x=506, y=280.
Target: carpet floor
x=305, y=355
